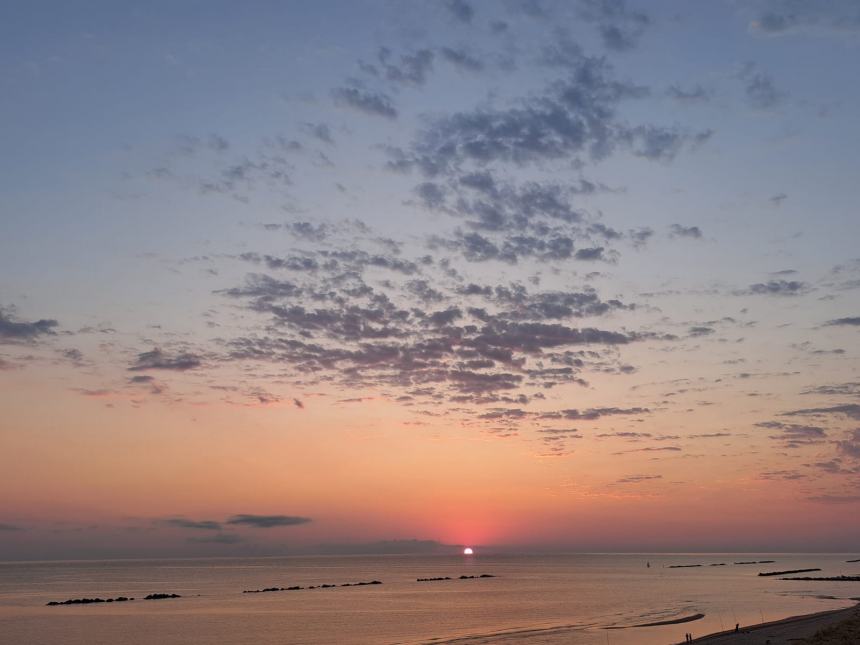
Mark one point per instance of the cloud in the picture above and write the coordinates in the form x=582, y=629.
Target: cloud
x=637, y=479
x=388, y=547
x=13, y=330
x=794, y=435
x=850, y=410
x=461, y=59
x=851, y=321
x=678, y=230
x=182, y=523
x=620, y=28
x=365, y=101
x=408, y=69
x=592, y=413
x=835, y=499
x=777, y=288
x=701, y=330
x=695, y=94
x=759, y=88
x=267, y=521
x=460, y=10
x=839, y=389
x=159, y=360
x=9, y=527
x=574, y=116
x=850, y=447
x=779, y=17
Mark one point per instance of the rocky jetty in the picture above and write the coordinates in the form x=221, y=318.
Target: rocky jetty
x=782, y=573
x=323, y=586
x=161, y=596
x=463, y=577
x=829, y=579
x=87, y=601
x=296, y=588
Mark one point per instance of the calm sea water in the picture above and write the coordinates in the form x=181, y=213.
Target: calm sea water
x=539, y=599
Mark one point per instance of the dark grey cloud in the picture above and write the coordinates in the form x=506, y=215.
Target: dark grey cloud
x=388, y=547
x=14, y=330
x=835, y=499
x=320, y=131
x=9, y=527
x=777, y=288
x=156, y=359
x=850, y=410
x=701, y=330
x=795, y=435
x=267, y=521
x=462, y=59
x=183, y=523
x=620, y=27
x=574, y=116
x=837, y=389
x=778, y=17
x=759, y=88
x=593, y=413
x=638, y=479
x=850, y=321
x=850, y=447
x=315, y=232
x=460, y=10
x=406, y=69
x=694, y=94
x=679, y=230
x=365, y=101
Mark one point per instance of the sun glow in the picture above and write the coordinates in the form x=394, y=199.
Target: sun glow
x=468, y=551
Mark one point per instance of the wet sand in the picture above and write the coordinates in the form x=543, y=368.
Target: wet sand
x=792, y=631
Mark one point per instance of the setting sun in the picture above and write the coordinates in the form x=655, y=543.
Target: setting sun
x=468, y=551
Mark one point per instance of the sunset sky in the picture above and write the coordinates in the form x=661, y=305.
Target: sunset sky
x=293, y=277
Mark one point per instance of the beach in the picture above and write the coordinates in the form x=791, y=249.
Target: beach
x=823, y=628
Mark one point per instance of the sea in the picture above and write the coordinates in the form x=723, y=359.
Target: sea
x=585, y=599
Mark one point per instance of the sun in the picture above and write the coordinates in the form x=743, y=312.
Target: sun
x=468, y=551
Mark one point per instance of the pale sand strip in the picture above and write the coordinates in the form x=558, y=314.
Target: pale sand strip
x=789, y=631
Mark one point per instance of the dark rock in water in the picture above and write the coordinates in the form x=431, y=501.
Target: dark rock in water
x=432, y=579
x=852, y=561
x=161, y=596
x=487, y=575
x=766, y=561
x=753, y=562
x=782, y=573
x=87, y=601
x=683, y=566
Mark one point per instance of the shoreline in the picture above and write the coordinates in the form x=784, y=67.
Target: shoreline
x=786, y=630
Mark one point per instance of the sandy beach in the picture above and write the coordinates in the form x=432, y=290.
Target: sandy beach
x=840, y=627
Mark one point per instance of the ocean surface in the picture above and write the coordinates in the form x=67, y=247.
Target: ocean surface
x=533, y=598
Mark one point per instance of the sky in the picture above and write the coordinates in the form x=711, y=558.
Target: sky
x=330, y=277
